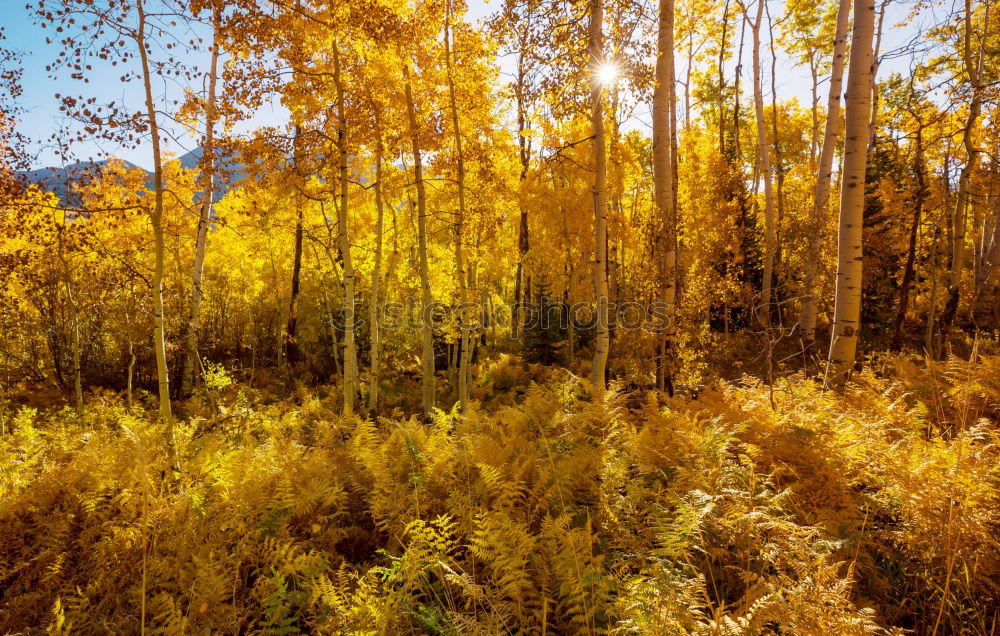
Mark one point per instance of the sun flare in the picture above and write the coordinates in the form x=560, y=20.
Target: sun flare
x=607, y=73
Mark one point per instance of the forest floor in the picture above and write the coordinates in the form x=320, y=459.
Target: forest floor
x=744, y=510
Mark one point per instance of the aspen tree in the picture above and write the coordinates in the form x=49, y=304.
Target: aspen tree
x=374, y=329
x=427, y=300
x=991, y=246
x=523, y=31
x=524, y=154
x=600, y=191
x=101, y=29
x=873, y=120
x=463, y=292
x=663, y=176
x=291, y=345
x=779, y=166
x=847, y=307
x=350, y=347
x=722, y=79
x=919, y=196
x=973, y=66
x=764, y=165
x=156, y=219
x=824, y=173
x=207, y=165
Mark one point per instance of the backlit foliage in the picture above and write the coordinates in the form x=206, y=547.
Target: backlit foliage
x=336, y=370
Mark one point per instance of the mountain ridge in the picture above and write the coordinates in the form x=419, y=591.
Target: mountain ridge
x=59, y=180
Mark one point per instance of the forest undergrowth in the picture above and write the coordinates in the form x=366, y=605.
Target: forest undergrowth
x=742, y=510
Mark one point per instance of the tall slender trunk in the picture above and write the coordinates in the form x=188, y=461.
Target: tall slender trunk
x=911, y=253
x=343, y=231
x=814, y=110
x=663, y=181
x=327, y=305
x=427, y=351
x=779, y=169
x=930, y=327
x=156, y=219
x=74, y=318
x=977, y=240
x=675, y=169
x=991, y=245
x=737, y=75
x=847, y=308
x=873, y=120
x=130, y=370
x=734, y=164
x=291, y=353
x=764, y=165
x=465, y=317
x=524, y=153
x=687, y=79
x=932, y=340
x=374, y=330
x=569, y=278
x=207, y=166
x=615, y=202
x=824, y=173
x=722, y=81
x=602, y=337
x=973, y=68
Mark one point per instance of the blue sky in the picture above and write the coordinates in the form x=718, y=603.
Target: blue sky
x=42, y=116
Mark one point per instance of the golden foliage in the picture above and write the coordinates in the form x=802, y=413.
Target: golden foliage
x=850, y=514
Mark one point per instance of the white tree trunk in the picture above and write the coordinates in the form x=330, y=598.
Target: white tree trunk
x=973, y=68
x=663, y=182
x=204, y=218
x=873, y=120
x=847, y=308
x=764, y=164
x=156, y=219
x=824, y=172
x=374, y=328
x=602, y=338
x=427, y=351
x=350, y=348
x=463, y=292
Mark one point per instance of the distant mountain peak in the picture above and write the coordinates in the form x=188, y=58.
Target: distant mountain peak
x=59, y=179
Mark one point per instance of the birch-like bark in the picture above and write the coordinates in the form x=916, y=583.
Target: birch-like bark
x=427, y=351
x=814, y=108
x=663, y=182
x=156, y=219
x=465, y=344
x=873, y=120
x=191, y=354
x=524, y=154
x=602, y=336
x=291, y=345
x=779, y=168
x=991, y=245
x=847, y=308
x=973, y=68
x=722, y=80
x=764, y=165
x=343, y=231
x=375, y=332
x=824, y=173
x=909, y=270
